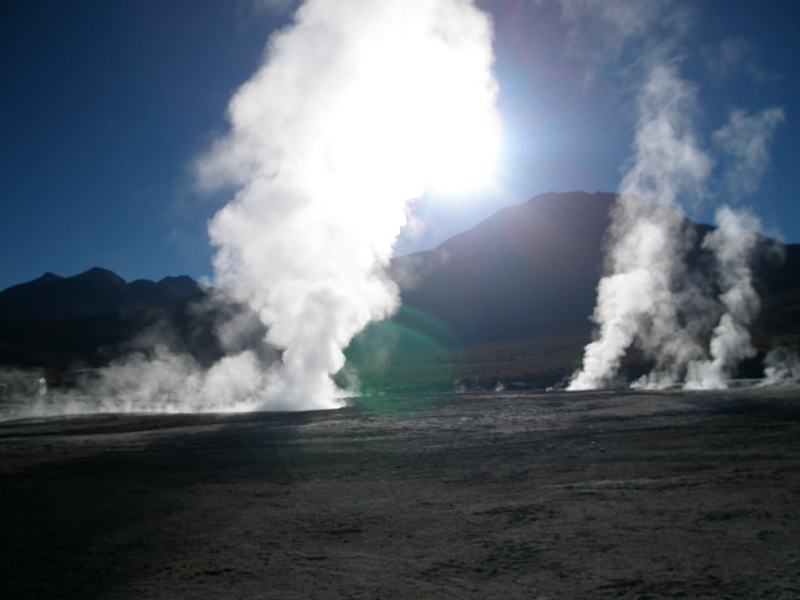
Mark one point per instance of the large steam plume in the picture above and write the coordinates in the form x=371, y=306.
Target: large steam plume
x=357, y=106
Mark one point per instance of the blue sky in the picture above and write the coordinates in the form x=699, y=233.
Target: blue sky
x=106, y=106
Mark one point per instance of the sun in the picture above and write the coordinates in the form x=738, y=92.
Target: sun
x=464, y=152
x=422, y=117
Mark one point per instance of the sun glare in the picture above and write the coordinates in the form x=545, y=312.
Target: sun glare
x=464, y=157
x=418, y=116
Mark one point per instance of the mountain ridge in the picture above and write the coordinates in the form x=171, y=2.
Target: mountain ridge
x=533, y=268
x=93, y=293
x=530, y=270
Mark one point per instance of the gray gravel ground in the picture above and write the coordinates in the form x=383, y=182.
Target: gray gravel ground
x=502, y=495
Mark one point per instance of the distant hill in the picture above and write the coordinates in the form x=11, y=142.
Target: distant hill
x=532, y=269
x=529, y=269
x=94, y=293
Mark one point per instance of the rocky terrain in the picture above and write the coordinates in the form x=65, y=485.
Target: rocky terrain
x=478, y=495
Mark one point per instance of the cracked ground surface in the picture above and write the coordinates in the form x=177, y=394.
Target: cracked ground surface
x=477, y=495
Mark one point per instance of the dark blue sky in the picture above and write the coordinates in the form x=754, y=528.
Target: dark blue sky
x=105, y=105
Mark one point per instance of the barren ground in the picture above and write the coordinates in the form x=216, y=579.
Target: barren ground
x=481, y=495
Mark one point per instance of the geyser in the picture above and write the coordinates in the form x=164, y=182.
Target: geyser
x=647, y=299
x=695, y=332
x=357, y=107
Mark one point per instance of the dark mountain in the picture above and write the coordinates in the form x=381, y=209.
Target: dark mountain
x=532, y=269
x=93, y=293
x=529, y=269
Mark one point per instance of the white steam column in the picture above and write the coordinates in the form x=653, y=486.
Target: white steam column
x=647, y=299
x=358, y=106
